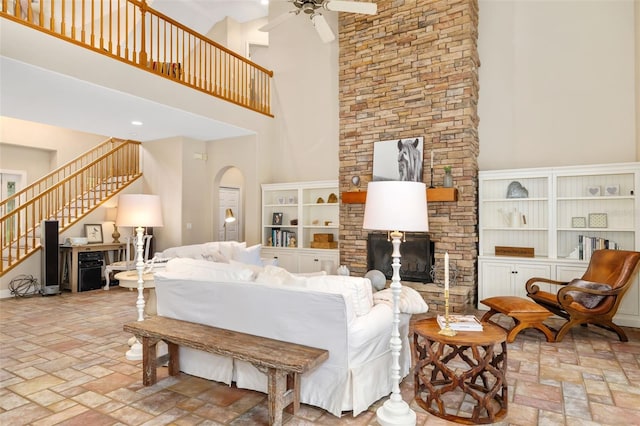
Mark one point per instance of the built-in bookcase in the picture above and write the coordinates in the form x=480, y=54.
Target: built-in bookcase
x=303, y=209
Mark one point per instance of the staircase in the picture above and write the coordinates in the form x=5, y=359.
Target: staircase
x=67, y=195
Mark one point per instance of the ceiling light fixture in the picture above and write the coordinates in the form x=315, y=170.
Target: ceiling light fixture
x=136, y=123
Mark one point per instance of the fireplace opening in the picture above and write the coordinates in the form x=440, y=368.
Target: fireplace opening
x=417, y=256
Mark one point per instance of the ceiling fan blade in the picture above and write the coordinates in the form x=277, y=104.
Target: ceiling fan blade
x=323, y=29
x=278, y=20
x=351, y=6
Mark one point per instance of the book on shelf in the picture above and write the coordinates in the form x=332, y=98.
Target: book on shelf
x=461, y=322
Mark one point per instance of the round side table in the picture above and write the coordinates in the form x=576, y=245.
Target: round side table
x=467, y=366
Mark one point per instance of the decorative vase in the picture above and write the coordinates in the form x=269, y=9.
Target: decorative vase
x=343, y=270
x=448, y=180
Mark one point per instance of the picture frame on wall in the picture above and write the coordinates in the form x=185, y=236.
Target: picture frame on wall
x=277, y=219
x=398, y=159
x=579, y=222
x=93, y=232
x=597, y=220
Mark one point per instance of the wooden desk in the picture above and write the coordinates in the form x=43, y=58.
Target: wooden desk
x=69, y=260
x=461, y=367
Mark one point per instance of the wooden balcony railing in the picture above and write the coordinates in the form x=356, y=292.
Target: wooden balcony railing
x=66, y=195
x=133, y=32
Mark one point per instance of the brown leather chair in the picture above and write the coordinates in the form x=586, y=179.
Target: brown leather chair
x=594, y=298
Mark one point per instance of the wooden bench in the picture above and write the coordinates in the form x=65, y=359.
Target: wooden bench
x=282, y=362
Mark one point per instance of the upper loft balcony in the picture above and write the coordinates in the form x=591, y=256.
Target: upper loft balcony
x=124, y=49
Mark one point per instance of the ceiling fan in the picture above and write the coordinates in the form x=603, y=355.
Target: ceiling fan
x=310, y=7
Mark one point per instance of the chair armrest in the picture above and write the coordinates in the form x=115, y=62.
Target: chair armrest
x=532, y=288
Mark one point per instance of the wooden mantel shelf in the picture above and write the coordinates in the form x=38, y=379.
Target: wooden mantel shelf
x=433, y=194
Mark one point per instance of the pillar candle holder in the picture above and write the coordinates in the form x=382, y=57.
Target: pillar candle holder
x=431, y=186
x=447, y=330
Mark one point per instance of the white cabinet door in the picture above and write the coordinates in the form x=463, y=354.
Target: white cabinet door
x=523, y=272
x=318, y=261
x=285, y=259
x=495, y=280
x=508, y=279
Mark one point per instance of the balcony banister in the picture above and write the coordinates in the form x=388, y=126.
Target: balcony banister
x=152, y=41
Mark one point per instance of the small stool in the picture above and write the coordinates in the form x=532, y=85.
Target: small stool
x=524, y=312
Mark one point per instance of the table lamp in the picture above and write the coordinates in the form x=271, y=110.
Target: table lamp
x=228, y=218
x=396, y=207
x=139, y=211
x=111, y=214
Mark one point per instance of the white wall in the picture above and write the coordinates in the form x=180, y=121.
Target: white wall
x=63, y=144
x=304, y=99
x=556, y=83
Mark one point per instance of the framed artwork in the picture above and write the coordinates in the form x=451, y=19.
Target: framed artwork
x=612, y=190
x=398, y=159
x=597, y=220
x=593, y=191
x=579, y=222
x=277, y=219
x=93, y=233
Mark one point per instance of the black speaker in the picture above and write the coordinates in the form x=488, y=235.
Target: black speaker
x=50, y=253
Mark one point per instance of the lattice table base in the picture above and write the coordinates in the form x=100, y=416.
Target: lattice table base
x=461, y=369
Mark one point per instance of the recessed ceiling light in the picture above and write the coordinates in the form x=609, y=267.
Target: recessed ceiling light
x=136, y=123
x=264, y=1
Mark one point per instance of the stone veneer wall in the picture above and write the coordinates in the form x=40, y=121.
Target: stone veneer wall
x=412, y=70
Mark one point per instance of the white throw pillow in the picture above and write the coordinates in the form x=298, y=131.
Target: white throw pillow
x=203, y=270
x=214, y=256
x=227, y=247
x=358, y=288
x=249, y=255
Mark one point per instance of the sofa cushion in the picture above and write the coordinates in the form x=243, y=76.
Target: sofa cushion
x=193, y=251
x=359, y=289
x=203, y=270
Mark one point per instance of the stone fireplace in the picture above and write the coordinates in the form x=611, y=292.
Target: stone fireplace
x=413, y=71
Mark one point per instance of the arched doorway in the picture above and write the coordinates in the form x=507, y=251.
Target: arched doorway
x=230, y=195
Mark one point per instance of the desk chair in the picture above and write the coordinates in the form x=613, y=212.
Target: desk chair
x=130, y=258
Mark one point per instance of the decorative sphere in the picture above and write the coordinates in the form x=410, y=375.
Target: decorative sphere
x=377, y=278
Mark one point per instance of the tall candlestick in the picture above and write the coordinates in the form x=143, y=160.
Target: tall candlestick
x=432, y=159
x=446, y=271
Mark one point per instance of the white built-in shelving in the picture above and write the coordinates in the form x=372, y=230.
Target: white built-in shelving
x=564, y=205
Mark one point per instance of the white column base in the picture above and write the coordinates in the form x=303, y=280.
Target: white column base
x=396, y=413
x=135, y=353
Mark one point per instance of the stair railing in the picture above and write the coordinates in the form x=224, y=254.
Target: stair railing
x=67, y=200
x=133, y=32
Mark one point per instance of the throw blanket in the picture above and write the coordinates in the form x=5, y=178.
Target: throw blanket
x=410, y=300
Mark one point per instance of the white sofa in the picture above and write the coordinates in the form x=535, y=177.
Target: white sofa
x=336, y=313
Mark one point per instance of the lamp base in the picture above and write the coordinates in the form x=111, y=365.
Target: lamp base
x=135, y=352
x=396, y=413
x=116, y=234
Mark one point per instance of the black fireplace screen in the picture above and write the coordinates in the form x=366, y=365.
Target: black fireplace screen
x=417, y=256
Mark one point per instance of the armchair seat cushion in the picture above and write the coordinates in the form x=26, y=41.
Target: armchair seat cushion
x=587, y=300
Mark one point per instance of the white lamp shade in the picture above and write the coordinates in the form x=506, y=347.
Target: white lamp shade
x=139, y=210
x=111, y=214
x=396, y=206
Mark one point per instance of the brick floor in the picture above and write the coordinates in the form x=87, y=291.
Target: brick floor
x=62, y=363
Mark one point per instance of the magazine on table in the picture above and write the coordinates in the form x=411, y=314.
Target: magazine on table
x=461, y=322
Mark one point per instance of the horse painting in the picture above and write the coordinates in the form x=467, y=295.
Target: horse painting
x=409, y=160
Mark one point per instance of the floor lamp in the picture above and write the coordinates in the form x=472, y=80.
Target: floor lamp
x=396, y=207
x=139, y=211
x=228, y=218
